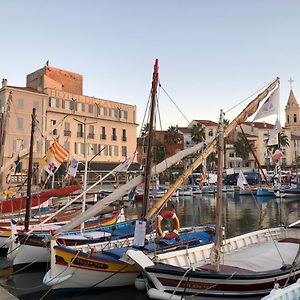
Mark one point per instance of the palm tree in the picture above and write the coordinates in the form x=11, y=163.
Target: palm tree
x=241, y=148
x=172, y=135
x=158, y=152
x=145, y=130
x=283, y=140
x=198, y=133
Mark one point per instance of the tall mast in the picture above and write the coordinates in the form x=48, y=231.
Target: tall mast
x=150, y=139
x=30, y=163
x=220, y=147
x=3, y=124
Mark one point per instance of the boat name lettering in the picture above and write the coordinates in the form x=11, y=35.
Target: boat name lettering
x=89, y=263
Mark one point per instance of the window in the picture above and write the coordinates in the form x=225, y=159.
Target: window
x=105, y=150
x=231, y=154
x=295, y=118
x=53, y=102
x=91, y=108
x=124, y=138
x=37, y=146
x=18, y=145
x=116, y=151
x=95, y=149
x=79, y=130
x=82, y=148
x=76, y=148
x=103, y=134
x=91, y=132
x=125, y=114
x=67, y=131
x=20, y=123
x=104, y=111
x=80, y=107
x=210, y=132
x=67, y=104
x=288, y=119
x=21, y=103
x=115, y=113
x=110, y=150
x=53, y=122
x=114, y=134
x=124, y=151
x=67, y=146
x=109, y=112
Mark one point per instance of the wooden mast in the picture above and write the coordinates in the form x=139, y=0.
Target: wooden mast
x=30, y=163
x=150, y=140
x=219, y=223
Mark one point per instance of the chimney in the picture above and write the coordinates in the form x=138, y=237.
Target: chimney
x=4, y=83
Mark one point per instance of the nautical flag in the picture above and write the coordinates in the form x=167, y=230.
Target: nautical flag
x=123, y=167
x=273, y=138
x=277, y=154
x=53, y=158
x=270, y=107
x=277, y=170
x=73, y=166
x=241, y=180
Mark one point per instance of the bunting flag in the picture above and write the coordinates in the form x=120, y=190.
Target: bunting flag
x=270, y=107
x=73, y=166
x=277, y=154
x=273, y=138
x=53, y=158
x=241, y=180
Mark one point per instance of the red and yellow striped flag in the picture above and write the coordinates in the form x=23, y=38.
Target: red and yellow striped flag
x=53, y=158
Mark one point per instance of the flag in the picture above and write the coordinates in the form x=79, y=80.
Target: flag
x=73, y=166
x=18, y=165
x=270, y=107
x=273, y=138
x=277, y=170
x=123, y=167
x=277, y=154
x=241, y=180
x=53, y=158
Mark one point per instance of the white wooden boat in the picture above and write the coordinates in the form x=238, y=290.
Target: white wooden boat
x=291, y=292
x=250, y=265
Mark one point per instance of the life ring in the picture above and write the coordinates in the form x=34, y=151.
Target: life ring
x=167, y=214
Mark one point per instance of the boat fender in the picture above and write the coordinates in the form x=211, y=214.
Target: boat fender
x=156, y=294
x=140, y=283
x=50, y=281
x=167, y=214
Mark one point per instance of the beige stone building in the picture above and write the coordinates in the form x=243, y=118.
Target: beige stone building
x=64, y=112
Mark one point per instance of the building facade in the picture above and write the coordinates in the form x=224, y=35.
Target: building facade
x=66, y=114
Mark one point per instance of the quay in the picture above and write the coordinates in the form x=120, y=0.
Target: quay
x=5, y=295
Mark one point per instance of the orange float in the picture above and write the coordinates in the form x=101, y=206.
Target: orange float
x=167, y=214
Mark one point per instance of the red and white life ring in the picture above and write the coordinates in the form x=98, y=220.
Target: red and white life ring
x=167, y=214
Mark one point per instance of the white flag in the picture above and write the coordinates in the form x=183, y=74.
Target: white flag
x=72, y=170
x=123, y=167
x=273, y=139
x=241, y=180
x=270, y=107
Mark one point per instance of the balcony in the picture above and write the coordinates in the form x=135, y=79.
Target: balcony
x=124, y=138
x=79, y=134
x=113, y=137
x=103, y=136
x=67, y=132
x=91, y=135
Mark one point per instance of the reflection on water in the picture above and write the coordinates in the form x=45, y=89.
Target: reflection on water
x=241, y=214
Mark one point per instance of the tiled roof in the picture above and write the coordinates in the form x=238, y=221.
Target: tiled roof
x=295, y=137
x=206, y=122
x=260, y=125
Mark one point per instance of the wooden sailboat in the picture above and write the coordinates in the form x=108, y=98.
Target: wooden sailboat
x=246, y=265
x=103, y=266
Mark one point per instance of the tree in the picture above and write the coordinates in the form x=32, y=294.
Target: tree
x=241, y=148
x=145, y=130
x=283, y=142
x=172, y=136
x=198, y=133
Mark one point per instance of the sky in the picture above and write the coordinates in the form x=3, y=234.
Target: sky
x=212, y=54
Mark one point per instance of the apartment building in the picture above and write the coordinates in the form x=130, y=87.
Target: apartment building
x=65, y=113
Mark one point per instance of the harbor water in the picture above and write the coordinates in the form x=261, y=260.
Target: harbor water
x=241, y=214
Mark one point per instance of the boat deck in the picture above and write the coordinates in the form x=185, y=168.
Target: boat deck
x=258, y=257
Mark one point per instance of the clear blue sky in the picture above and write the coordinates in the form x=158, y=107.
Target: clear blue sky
x=212, y=54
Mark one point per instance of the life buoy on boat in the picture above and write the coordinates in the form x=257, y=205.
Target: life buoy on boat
x=167, y=214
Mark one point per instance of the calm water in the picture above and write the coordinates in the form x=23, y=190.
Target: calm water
x=241, y=214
